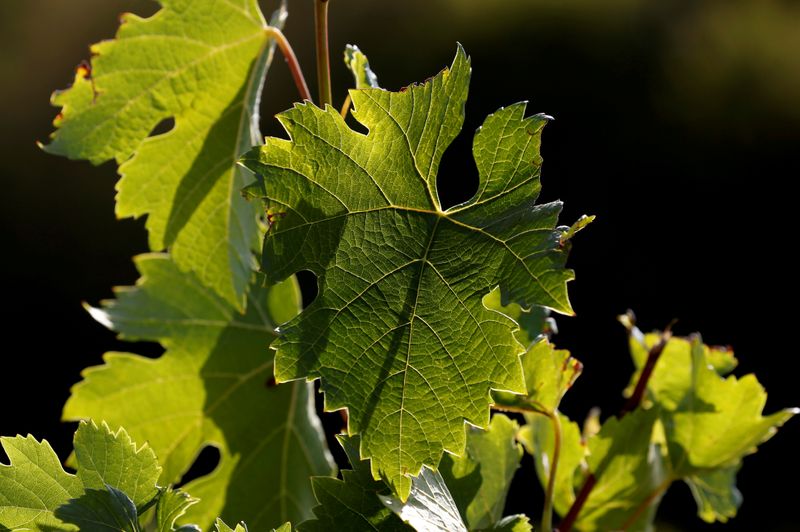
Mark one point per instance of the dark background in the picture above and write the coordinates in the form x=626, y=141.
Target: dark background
x=677, y=124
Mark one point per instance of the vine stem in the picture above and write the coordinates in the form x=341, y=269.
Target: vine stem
x=323, y=55
x=291, y=60
x=647, y=371
x=631, y=404
x=547, y=511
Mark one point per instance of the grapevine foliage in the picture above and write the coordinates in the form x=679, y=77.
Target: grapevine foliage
x=425, y=318
x=401, y=281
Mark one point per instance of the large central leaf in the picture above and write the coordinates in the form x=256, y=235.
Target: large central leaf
x=399, y=333
x=201, y=63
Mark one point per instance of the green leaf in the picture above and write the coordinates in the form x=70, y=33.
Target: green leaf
x=672, y=373
x=532, y=322
x=549, y=373
x=401, y=282
x=538, y=438
x=717, y=421
x=201, y=63
x=107, y=458
x=211, y=387
x=101, y=509
x=172, y=504
x=512, y=523
x=35, y=492
x=716, y=494
x=430, y=507
x=479, y=480
x=351, y=503
x=33, y=485
x=629, y=469
x=358, y=64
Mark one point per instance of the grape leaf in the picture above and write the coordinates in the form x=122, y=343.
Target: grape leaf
x=629, y=468
x=400, y=280
x=241, y=527
x=171, y=506
x=716, y=494
x=351, y=503
x=430, y=507
x=201, y=63
x=357, y=62
x=479, y=480
x=672, y=372
x=717, y=421
x=33, y=485
x=110, y=458
x=35, y=491
x=538, y=438
x=211, y=387
x=512, y=523
x=106, y=509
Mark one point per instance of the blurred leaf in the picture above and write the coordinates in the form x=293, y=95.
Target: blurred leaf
x=479, y=480
x=358, y=64
x=512, y=523
x=716, y=421
x=629, y=469
x=716, y=494
x=211, y=387
x=202, y=64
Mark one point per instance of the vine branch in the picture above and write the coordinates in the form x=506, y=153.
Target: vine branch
x=323, y=55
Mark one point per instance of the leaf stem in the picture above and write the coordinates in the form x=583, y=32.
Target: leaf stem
x=547, y=511
x=291, y=60
x=323, y=56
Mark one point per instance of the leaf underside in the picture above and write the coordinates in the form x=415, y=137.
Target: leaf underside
x=399, y=334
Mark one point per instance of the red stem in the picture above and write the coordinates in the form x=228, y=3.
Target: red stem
x=291, y=60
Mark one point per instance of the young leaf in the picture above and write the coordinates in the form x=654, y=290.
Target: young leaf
x=512, y=523
x=111, y=458
x=33, y=485
x=717, y=421
x=358, y=64
x=479, y=480
x=172, y=505
x=211, y=387
x=351, y=503
x=401, y=281
x=202, y=64
x=35, y=492
x=241, y=527
x=716, y=494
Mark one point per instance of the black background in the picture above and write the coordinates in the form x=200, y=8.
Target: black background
x=677, y=124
